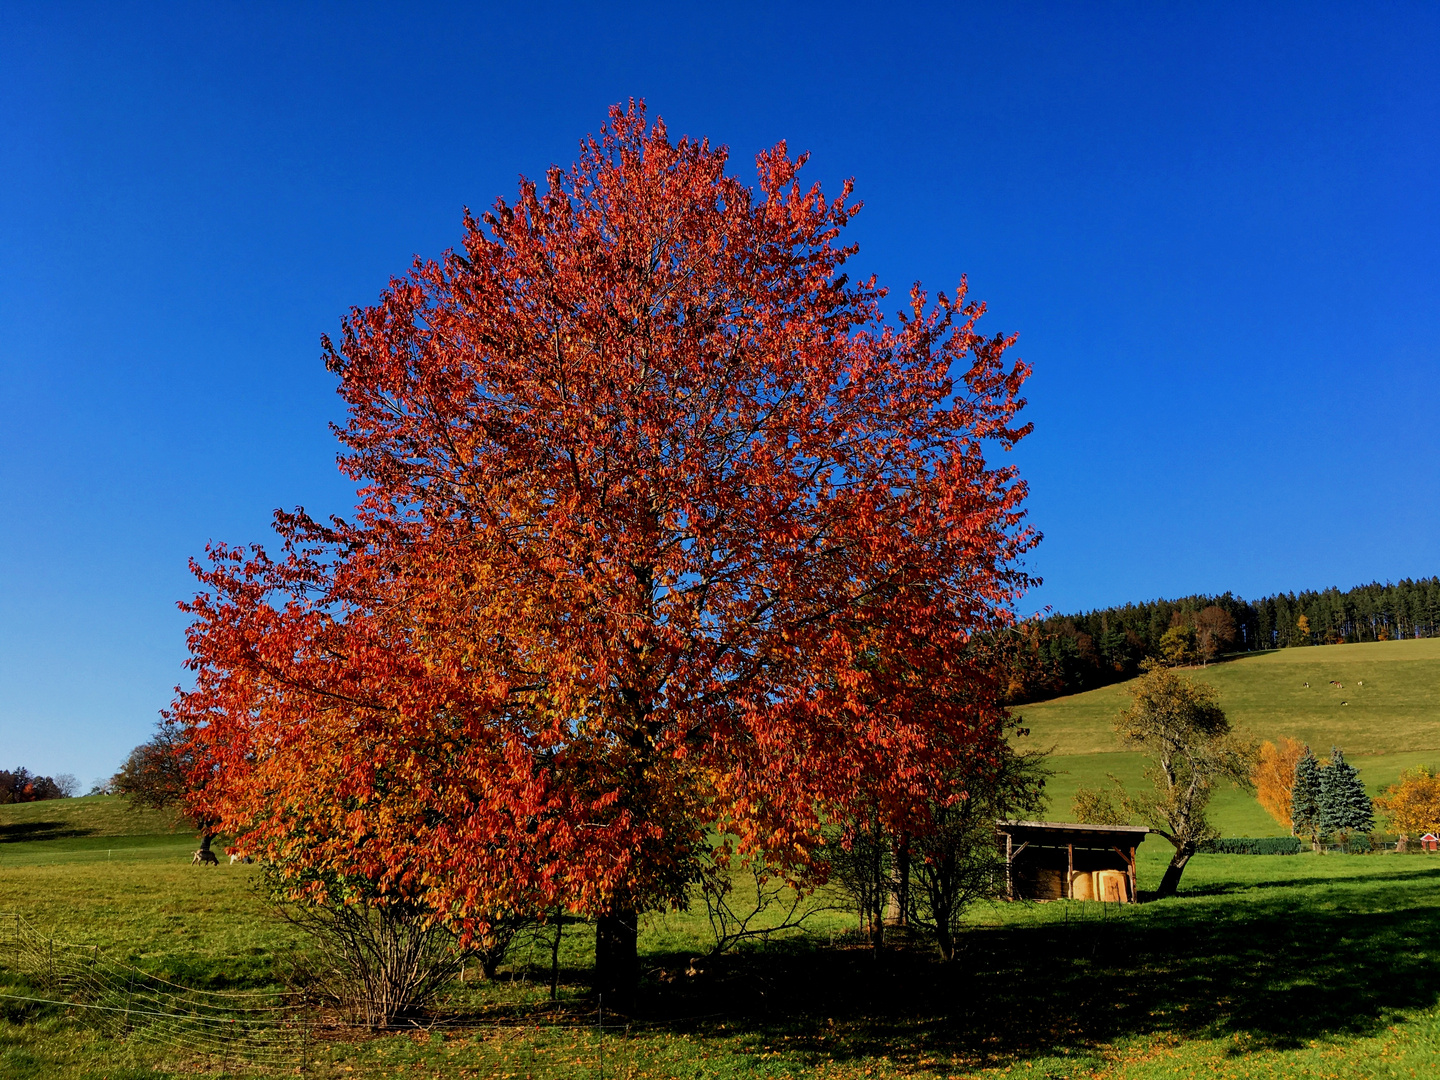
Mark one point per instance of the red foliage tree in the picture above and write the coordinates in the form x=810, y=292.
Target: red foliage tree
x=663, y=530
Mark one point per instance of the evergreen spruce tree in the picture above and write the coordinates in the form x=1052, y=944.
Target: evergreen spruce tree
x=1345, y=808
x=1305, y=819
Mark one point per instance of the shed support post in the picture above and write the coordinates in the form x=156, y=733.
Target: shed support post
x=1009, y=855
x=1070, y=874
x=1129, y=859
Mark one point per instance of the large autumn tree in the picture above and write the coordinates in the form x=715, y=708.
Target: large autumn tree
x=666, y=534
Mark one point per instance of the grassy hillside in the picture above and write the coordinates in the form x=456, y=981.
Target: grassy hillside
x=93, y=816
x=1390, y=723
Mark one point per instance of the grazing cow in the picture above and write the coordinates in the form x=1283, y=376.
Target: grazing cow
x=1306, y=685
x=1344, y=703
x=204, y=856
x=239, y=858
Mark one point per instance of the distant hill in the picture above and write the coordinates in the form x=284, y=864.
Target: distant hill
x=1066, y=654
x=1390, y=723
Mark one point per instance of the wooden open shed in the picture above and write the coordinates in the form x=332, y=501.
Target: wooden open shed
x=1057, y=860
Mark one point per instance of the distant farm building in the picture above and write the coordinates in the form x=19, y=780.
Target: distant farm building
x=1056, y=860
x=1430, y=842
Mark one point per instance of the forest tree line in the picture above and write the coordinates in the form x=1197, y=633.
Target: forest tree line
x=1065, y=654
x=21, y=785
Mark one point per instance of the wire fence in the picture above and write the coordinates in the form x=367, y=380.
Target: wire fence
x=276, y=1030
x=272, y=1030
x=265, y=1029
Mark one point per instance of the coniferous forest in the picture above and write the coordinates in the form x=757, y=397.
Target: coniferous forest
x=1065, y=654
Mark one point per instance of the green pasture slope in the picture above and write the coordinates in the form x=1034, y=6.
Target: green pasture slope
x=83, y=830
x=1390, y=723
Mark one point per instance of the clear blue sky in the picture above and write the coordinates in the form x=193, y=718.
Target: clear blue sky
x=1216, y=230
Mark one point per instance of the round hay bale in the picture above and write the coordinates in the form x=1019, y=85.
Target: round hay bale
x=1082, y=885
x=1112, y=886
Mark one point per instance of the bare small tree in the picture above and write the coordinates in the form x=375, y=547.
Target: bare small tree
x=958, y=862
x=377, y=963
x=67, y=785
x=378, y=957
x=861, y=861
x=771, y=905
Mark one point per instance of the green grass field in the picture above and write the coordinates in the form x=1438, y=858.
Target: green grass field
x=1390, y=723
x=1299, y=966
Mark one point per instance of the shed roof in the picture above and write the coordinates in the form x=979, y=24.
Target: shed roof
x=1071, y=828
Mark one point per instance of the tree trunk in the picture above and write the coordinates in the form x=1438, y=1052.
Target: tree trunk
x=1170, y=883
x=205, y=838
x=880, y=893
x=946, y=940
x=942, y=912
x=555, y=956
x=902, y=880
x=617, y=961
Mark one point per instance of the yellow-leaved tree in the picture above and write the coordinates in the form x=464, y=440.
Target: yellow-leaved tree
x=1412, y=806
x=1274, y=777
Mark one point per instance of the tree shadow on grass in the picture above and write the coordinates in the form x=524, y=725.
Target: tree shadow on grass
x=1234, y=888
x=24, y=831
x=1279, y=969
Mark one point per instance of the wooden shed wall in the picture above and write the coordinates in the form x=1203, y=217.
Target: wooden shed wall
x=1041, y=870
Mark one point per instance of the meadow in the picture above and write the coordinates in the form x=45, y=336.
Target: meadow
x=1302, y=966
x=1390, y=723
x=1263, y=966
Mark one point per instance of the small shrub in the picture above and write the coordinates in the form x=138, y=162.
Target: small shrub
x=1253, y=845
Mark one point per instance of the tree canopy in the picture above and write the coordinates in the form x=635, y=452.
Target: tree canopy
x=1412, y=806
x=21, y=785
x=664, y=529
x=1178, y=722
x=1274, y=777
x=1345, y=807
x=1305, y=802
